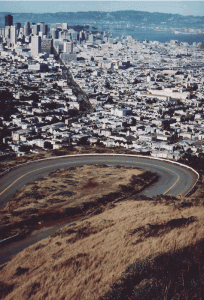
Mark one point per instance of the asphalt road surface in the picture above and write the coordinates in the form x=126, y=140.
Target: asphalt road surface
x=173, y=180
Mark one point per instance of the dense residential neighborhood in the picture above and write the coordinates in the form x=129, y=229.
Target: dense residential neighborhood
x=92, y=89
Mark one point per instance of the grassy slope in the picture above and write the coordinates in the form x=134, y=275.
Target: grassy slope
x=86, y=258
x=69, y=193
x=134, y=249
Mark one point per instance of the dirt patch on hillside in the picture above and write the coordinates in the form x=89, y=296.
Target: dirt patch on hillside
x=91, y=184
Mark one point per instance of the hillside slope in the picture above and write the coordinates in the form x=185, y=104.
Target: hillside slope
x=132, y=250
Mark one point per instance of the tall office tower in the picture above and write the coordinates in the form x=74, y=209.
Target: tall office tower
x=42, y=27
x=86, y=36
x=21, y=30
x=18, y=25
x=13, y=35
x=58, y=25
x=46, y=29
x=8, y=20
x=68, y=47
x=35, y=45
x=35, y=29
x=7, y=32
x=73, y=34
x=82, y=35
x=27, y=29
x=54, y=33
x=47, y=45
x=64, y=26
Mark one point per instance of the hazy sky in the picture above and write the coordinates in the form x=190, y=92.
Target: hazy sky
x=175, y=7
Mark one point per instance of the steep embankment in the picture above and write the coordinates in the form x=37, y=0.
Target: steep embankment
x=134, y=249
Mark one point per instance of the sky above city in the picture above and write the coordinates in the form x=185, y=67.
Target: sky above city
x=195, y=8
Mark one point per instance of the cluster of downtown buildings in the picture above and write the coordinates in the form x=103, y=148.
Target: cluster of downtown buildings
x=146, y=96
x=57, y=39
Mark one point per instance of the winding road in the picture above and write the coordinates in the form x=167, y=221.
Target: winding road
x=174, y=179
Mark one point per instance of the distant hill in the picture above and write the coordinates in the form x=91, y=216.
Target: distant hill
x=134, y=17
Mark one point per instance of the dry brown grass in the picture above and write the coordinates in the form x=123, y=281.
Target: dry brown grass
x=86, y=258
x=55, y=196
x=83, y=260
x=70, y=186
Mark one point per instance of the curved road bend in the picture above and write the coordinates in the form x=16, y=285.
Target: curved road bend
x=173, y=180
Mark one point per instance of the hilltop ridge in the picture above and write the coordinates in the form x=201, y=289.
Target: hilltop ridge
x=135, y=17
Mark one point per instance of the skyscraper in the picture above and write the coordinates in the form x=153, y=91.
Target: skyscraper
x=13, y=35
x=7, y=32
x=42, y=27
x=46, y=29
x=47, y=45
x=27, y=29
x=8, y=20
x=73, y=34
x=18, y=25
x=68, y=47
x=54, y=33
x=81, y=35
x=35, y=29
x=35, y=45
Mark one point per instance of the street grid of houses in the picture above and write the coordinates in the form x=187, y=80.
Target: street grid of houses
x=145, y=96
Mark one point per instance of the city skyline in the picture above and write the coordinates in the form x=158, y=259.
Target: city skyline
x=175, y=7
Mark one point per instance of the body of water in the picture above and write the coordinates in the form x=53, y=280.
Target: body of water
x=160, y=36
